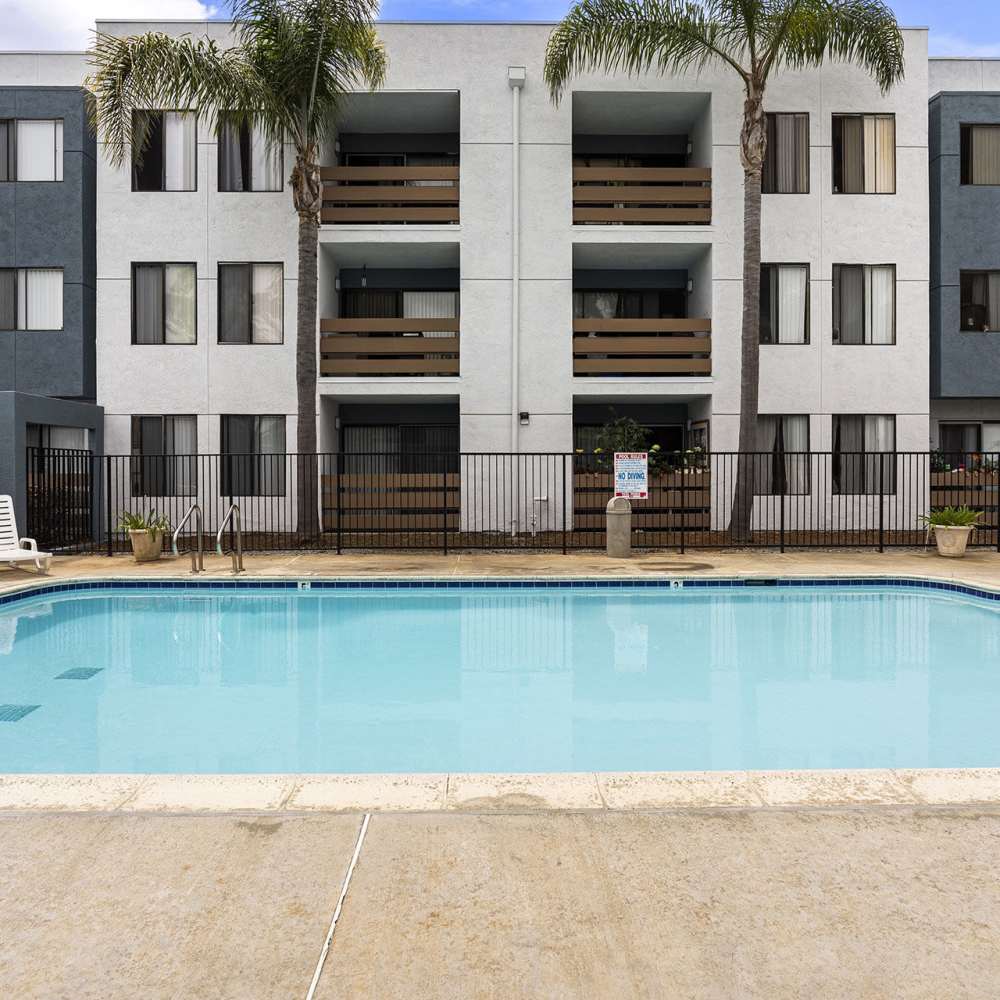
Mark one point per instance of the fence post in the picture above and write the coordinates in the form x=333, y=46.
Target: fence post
x=107, y=501
x=781, y=521
x=444, y=506
x=337, y=470
x=683, y=492
x=567, y=484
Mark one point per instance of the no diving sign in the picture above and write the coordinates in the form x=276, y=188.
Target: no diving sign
x=632, y=475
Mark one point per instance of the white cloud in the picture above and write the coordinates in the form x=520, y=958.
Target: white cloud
x=953, y=45
x=67, y=24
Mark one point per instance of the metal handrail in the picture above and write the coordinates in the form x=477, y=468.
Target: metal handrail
x=233, y=512
x=197, y=555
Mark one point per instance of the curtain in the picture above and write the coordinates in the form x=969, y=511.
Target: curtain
x=180, y=440
x=148, y=295
x=271, y=456
x=265, y=162
x=791, y=300
x=234, y=303
x=431, y=305
x=267, y=304
x=43, y=299
x=179, y=287
x=796, y=439
x=848, y=293
x=767, y=444
x=230, y=158
x=180, y=137
x=791, y=153
x=885, y=155
x=852, y=154
x=993, y=300
x=880, y=441
x=879, y=304
x=848, y=445
x=39, y=150
x=8, y=299
x=871, y=153
x=985, y=154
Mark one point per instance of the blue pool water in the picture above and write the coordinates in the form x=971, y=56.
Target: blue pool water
x=503, y=679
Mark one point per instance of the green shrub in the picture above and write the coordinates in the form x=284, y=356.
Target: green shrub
x=152, y=522
x=952, y=517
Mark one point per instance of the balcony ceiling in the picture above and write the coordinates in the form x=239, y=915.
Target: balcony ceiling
x=637, y=255
x=375, y=255
x=401, y=111
x=610, y=113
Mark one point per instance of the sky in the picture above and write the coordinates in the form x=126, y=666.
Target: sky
x=959, y=28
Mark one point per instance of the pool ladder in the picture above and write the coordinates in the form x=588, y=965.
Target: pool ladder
x=233, y=514
x=197, y=555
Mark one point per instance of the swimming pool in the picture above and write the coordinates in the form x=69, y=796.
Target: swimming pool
x=499, y=677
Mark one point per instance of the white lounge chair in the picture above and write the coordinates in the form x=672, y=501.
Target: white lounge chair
x=14, y=549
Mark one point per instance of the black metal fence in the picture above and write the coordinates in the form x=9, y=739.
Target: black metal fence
x=556, y=501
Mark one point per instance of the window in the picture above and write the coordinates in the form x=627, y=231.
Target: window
x=784, y=303
x=980, y=161
x=250, y=304
x=253, y=450
x=958, y=443
x=31, y=298
x=864, y=154
x=163, y=304
x=864, y=303
x=248, y=161
x=980, y=300
x=781, y=467
x=170, y=160
x=863, y=462
x=31, y=149
x=165, y=462
x=786, y=159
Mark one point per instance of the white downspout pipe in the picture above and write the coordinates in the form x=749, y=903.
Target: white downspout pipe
x=515, y=80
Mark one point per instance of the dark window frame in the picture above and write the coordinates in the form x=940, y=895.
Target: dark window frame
x=840, y=115
x=783, y=454
x=227, y=472
x=10, y=167
x=162, y=189
x=808, y=331
x=163, y=319
x=837, y=455
x=249, y=166
x=769, y=117
x=965, y=153
x=27, y=329
x=971, y=272
x=141, y=463
x=218, y=295
x=835, y=337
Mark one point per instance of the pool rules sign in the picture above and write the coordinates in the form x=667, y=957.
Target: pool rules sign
x=632, y=475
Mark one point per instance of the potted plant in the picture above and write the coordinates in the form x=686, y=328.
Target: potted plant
x=952, y=527
x=145, y=531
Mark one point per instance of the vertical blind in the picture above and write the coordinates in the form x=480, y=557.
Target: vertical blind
x=39, y=148
x=31, y=298
x=864, y=303
x=431, y=305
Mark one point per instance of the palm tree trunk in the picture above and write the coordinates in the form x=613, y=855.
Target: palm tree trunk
x=752, y=140
x=305, y=380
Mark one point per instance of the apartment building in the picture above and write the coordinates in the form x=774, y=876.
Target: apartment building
x=498, y=273
x=964, y=143
x=47, y=264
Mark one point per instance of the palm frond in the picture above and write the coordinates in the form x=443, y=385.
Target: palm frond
x=633, y=36
x=156, y=70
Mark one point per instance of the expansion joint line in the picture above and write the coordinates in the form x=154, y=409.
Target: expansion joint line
x=340, y=906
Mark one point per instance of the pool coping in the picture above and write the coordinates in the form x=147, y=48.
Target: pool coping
x=488, y=793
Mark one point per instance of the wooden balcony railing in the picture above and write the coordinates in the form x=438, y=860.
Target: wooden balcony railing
x=642, y=347
x=642, y=195
x=390, y=194
x=367, y=347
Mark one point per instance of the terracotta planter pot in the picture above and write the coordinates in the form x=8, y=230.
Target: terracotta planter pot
x=952, y=540
x=146, y=545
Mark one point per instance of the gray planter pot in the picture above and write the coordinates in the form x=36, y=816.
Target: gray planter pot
x=146, y=545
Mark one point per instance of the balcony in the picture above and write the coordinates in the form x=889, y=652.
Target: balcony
x=390, y=194
x=642, y=347
x=642, y=195
x=391, y=346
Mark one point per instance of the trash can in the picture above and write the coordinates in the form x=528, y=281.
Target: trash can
x=619, y=534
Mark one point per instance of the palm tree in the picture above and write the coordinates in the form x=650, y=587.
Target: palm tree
x=754, y=39
x=291, y=64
